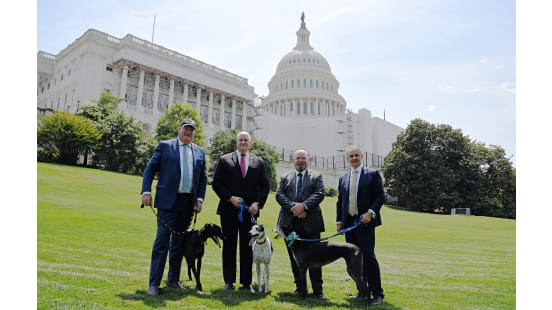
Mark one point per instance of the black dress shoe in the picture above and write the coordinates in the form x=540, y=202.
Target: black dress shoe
x=319, y=295
x=153, y=290
x=229, y=287
x=176, y=285
x=376, y=301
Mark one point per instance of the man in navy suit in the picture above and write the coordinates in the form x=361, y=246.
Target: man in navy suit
x=179, y=194
x=240, y=176
x=360, y=197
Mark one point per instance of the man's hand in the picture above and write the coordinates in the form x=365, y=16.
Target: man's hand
x=235, y=201
x=338, y=227
x=298, y=208
x=302, y=215
x=146, y=199
x=198, y=206
x=365, y=218
x=254, y=208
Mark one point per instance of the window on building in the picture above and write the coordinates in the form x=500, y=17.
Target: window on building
x=312, y=108
x=286, y=84
x=292, y=83
x=48, y=85
x=62, y=77
x=109, y=68
x=298, y=83
x=42, y=90
x=305, y=110
x=316, y=83
x=310, y=83
x=298, y=108
x=69, y=73
x=304, y=83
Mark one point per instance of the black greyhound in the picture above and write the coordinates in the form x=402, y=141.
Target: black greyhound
x=193, y=248
x=317, y=254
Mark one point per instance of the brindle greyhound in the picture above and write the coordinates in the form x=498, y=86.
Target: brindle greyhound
x=317, y=254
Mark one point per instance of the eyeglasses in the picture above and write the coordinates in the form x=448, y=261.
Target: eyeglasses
x=354, y=155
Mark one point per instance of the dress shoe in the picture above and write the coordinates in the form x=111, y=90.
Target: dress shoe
x=153, y=290
x=319, y=295
x=298, y=292
x=229, y=287
x=378, y=300
x=176, y=285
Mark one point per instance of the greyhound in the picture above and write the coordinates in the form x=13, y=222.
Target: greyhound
x=262, y=253
x=317, y=254
x=193, y=248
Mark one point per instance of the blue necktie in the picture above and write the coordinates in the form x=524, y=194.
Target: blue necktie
x=186, y=185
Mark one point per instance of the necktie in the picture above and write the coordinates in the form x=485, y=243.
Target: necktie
x=242, y=165
x=299, y=187
x=186, y=185
x=353, y=194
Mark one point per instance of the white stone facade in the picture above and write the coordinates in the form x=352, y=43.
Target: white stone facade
x=303, y=109
x=150, y=78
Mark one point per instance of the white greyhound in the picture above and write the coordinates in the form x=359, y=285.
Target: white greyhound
x=262, y=253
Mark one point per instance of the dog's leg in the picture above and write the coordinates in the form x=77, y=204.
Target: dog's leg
x=197, y=275
x=259, y=283
x=190, y=262
x=267, y=272
x=354, y=268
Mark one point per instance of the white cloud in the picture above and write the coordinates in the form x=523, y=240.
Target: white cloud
x=444, y=87
x=431, y=108
x=507, y=86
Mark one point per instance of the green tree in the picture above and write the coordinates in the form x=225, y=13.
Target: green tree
x=224, y=141
x=437, y=167
x=62, y=137
x=123, y=146
x=167, y=125
x=121, y=141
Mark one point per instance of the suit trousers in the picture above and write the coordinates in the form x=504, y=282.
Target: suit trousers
x=365, y=238
x=315, y=274
x=231, y=228
x=178, y=218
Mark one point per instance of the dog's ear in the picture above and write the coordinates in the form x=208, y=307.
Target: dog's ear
x=216, y=240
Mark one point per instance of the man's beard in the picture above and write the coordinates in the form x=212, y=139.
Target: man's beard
x=300, y=168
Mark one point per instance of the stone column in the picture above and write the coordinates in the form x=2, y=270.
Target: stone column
x=244, y=116
x=185, y=93
x=156, y=95
x=198, y=101
x=140, y=94
x=222, y=111
x=300, y=103
x=171, y=92
x=233, y=124
x=123, y=89
x=210, y=115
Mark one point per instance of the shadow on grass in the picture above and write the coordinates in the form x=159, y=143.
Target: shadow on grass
x=308, y=302
x=169, y=294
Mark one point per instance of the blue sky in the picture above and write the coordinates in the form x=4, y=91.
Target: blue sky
x=450, y=62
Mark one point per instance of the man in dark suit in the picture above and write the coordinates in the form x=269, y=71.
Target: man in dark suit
x=299, y=194
x=360, y=197
x=239, y=176
x=179, y=193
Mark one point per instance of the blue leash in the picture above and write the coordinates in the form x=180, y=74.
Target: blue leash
x=294, y=236
x=244, y=209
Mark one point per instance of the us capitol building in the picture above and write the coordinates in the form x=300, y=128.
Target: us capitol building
x=303, y=109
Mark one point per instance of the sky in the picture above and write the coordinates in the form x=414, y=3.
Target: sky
x=447, y=62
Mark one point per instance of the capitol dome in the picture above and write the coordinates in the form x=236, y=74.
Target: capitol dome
x=303, y=85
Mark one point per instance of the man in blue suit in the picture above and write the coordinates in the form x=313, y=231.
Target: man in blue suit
x=360, y=197
x=179, y=194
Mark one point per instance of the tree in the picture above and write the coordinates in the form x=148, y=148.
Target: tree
x=437, y=167
x=167, y=125
x=224, y=141
x=124, y=146
x=62, y=137
x=121, y=143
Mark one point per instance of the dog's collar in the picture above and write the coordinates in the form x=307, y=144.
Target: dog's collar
x=260, y=242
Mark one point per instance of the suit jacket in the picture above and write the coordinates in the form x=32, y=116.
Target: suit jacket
x=166, y=161
x=228, y=181
x=312, y=195
x=370, y=195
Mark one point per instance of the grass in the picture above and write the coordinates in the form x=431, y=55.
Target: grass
x=94, y=245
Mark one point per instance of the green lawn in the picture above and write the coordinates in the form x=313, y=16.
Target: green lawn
x=94, y=246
